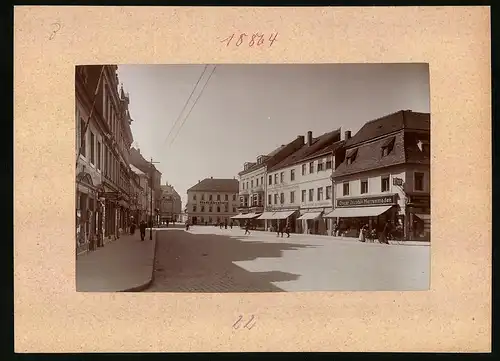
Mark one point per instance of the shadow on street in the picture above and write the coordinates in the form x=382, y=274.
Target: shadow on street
x=187, y=262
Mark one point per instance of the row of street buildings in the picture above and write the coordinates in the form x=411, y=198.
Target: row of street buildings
x=115, y=184
x=333, y=181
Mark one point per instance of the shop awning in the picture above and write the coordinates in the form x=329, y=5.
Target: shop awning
x=250, y=215
x=239, y=216
x=423, y=217
x=358, y=212
x=267, y=215
x=282, y=215
x=310, y=215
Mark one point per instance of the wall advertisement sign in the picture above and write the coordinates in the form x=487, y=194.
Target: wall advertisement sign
x=367, y=201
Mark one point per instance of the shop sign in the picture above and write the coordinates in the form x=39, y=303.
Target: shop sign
x=214, y=202
x=367, y=201
x=108, y=195
x=422, y=201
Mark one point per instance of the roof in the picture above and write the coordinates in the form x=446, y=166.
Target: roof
x=264, y=162
x=401, y=132
x=139, y=162
x=319, y=146
x=136, y=170
x=403, y=119
x=169, y=189
x=216, y=185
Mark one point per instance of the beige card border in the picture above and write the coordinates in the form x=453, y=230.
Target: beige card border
x=453, y=316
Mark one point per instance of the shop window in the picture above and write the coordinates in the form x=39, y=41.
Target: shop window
x=385, y=184
x=311, y=195
x=282, y=198
x=269, y=200
x=311, y=167
x=419, y=181
x=364, y=186
x=292, y=197
x=292, y=175
x=345, y=188
x=270, y=179
x=303, y=169
x=303, y=197
x=328, y=192
x=320, y=194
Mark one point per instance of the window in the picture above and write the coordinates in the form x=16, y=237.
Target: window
x=419, y=181
x=218, y=197
x=320, y=194
x=282, y=177
x=247, y=185
x=276, y=178
x=92, y=148
x=320, y=166
x=209, y=219
x=234, y=197
x=282, y=198
x=345, y=189
x=105, y=161
x=385, y=184
x=276, y=198
x=234, y=209
x=311, y=195
x=194, y=208
x=351, y=156
x=303, y=169
x=387, y=146
x=364, y=186
x=328, y=192
x=292, y=175
x=262, y=180
x=269, y=200
x=226, y=197
x=251, y=184
x=270, y=179
x=203, y=197
x=257, y=182
x=218, y=209
x=210, y=209
x=99, y=155
x=210, y=198
x=243, y=185
x=202, y=209
x=311, y=167
x=303, y=196
x=194, y=197
x=292, y=197
x=329, y=163
x=226, y=208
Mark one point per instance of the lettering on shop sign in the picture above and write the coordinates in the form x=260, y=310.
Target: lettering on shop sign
x=250, y=39
x=245, y=322
x=368, y=201
x=214, y=202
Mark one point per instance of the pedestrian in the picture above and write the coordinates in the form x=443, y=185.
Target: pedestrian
x=167, y=223
x=231, y=225
x=247, y=228
x=225, y=225
x=384, y=233
x=362, y=233
x=287, y=229
x=187, y=225
x=278, y=228
x=132, y=228
x=142, y=229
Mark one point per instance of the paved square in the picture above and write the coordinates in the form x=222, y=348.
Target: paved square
x=209, y=259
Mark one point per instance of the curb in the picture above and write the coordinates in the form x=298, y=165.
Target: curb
x=146, y=285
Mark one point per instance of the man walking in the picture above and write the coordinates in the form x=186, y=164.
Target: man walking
x=142, y=228
x=247, y=228
x=287, y=229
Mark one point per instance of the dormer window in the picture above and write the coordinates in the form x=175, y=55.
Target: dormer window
x=351, y=156
x=424, y=146
x=387, y=146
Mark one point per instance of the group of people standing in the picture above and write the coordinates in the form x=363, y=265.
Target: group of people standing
x=382, y=233
x=142, y=229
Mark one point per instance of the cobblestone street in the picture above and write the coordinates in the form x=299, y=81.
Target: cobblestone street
x=209, y=259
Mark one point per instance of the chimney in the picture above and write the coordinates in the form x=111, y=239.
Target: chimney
x=347, y=134
x=309, y=138
x=301, y=137
x=198, y=181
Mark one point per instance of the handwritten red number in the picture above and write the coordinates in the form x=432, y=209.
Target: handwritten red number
x=261, y=40
x=228, y=39
x=240, y=40
x=272, y=38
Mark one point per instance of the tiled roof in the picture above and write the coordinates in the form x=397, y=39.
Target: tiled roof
x=404, y=119
x=139, y=162
x=216, y=185
x=402, y=131
x=318, y=146
x=256, y=166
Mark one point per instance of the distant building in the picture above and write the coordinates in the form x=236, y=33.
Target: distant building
x=142, y=196
x=385, y=176
x=212, y=201
x=170, y=204
x=299, y=188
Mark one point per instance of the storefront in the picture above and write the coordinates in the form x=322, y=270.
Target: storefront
x=351, y=214
x=419, y=217
x=311, y=221
x=86, y=204
x=243, y=218
x=274, y=219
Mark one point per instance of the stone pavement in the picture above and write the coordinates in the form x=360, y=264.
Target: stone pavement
x=120, y=266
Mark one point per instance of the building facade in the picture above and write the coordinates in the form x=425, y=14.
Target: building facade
x=102, y=143
x=212, y=201
x=299, y=189
x=142, y=211
x=170, y=205
x=385, y=177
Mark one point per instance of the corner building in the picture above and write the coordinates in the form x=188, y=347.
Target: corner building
x=212, y=201
x=385, y=176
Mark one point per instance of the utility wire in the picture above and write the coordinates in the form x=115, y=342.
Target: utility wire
x=196, y=100
x=185, y=105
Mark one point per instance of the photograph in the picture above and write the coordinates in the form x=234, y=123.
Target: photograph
x=251, y=178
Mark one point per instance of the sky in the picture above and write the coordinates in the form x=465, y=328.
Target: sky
x=246, y=110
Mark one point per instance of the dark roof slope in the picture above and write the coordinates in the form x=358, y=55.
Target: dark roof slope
x=318, y=147
x=139, y=162
x=256, y=166
x=216, y=185
x=403, y=119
